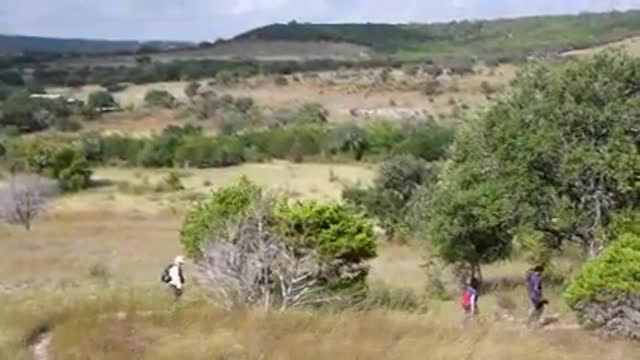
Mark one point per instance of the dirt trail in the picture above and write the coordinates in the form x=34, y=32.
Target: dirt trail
x=40, y=347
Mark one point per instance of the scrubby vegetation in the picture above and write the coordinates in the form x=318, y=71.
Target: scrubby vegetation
x=606, y=292
x=289, y=254
x=389, y=199
x=188, y=147
x=212, y=214
x=65, y=163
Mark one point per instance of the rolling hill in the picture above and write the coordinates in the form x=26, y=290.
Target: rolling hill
x=508, y=40
x=481, y=38
x=16, y=44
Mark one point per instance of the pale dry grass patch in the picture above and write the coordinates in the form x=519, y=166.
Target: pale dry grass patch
x=311, y=180
x=630, y=45
x=338, y=91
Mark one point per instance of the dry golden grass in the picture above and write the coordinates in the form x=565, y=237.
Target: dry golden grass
x=142, y=122
x=120, y=323
x=98, y=255
x=81, y=310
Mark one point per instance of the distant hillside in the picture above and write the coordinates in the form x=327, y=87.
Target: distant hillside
x=16, y=44
x=521, y=36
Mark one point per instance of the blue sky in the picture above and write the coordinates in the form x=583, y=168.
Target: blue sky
x=209, y=19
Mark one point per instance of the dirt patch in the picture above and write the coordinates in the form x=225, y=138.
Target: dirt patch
x=630, y=45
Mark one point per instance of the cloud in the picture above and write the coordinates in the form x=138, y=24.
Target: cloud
x=250, y=6
x=209, y=19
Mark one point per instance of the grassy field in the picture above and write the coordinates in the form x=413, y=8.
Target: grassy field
x=135, y=324
x=131, y=229
x=88, y=272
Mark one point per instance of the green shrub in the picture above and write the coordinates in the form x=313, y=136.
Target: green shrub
x=334, y=230
x=24, y=114
x=62, y=162
x=398, y=179
x=192, y=89
x=487, y=89
x=70, y=167
x=214, y=212
x=159, y=151
x=170, y=183
x=615, y=272
x=281, y=81
x=160, y=98
x=433, y=87
x=231, y=122
x=312, y=113
x=101, y=99
x=203, y=152
x=244, y=104
x=426, y=141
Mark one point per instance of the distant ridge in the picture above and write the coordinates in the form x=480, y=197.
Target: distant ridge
x=16, y=44
x=509, y=40
x=525, y=35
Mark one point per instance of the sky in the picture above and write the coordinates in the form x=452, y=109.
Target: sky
x=199, y=20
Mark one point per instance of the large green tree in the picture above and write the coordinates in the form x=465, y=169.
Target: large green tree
x=561, y=148
x=566, y=138
x=469, y=215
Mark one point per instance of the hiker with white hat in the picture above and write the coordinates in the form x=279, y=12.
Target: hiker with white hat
x=173, y=276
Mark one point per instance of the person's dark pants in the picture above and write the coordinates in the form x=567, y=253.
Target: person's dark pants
x=177, y=293
x=536, y=310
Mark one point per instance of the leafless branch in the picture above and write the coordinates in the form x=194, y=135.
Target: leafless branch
x=249, y=264
x=24, y=198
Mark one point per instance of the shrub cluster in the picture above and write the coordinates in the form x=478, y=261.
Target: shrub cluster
x=606, y=292
x=146, y=71
x=615, y=272
x=65, y=163
x=188, y=147
x=339, y=237
x=160, y=99
x=21, y=114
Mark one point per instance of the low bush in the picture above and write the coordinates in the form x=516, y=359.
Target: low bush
x=101, y=99
x=240, y=142
x=399, y=178
x=62, y=162
x=212, y=213
x=170, y=183
x=615, y=272
x=433, y=88
x=606, y=293
x=333, y=239
x=281, y=81
x=203, y=152
x=161, y=99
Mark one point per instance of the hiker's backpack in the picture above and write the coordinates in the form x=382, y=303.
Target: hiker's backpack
x=165, y=277
x=467, y=296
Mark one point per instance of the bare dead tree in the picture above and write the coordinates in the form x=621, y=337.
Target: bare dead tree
x=24, y=198
x=249, y=264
